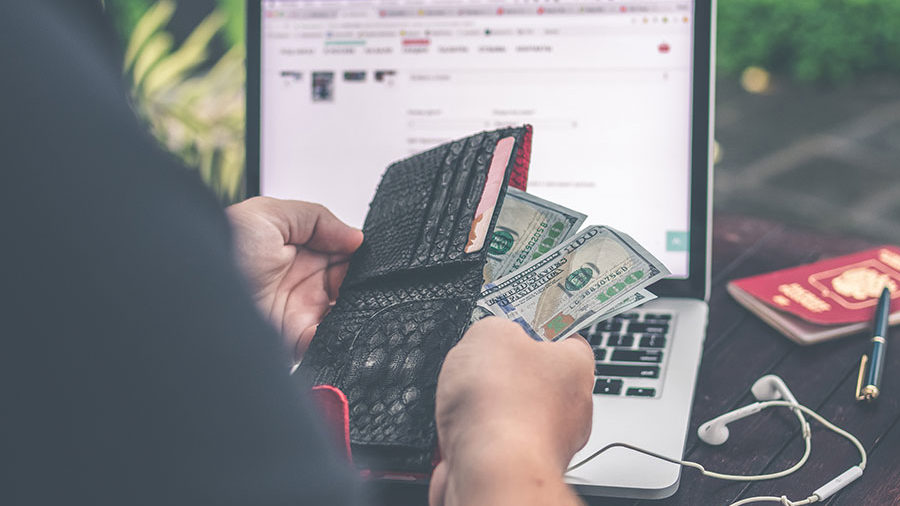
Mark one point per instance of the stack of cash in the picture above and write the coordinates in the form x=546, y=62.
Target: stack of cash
x=554, y=279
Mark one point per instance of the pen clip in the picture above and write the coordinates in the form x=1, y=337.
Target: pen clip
x=862, y=370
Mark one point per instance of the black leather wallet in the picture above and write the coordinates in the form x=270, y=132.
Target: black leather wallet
x=408, y=297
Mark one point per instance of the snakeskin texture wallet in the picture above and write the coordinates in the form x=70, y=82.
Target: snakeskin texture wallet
x=409, y=294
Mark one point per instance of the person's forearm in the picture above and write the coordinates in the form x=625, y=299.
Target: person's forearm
x=507, y=470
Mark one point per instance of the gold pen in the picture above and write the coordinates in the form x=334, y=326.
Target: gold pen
x=870, y=391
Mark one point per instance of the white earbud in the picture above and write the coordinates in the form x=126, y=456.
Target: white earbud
x=715, y=431
x=772, y=388
x=768, y=388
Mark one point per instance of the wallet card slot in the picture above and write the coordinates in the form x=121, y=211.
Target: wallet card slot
x=446, y=243
x=471, y=199
x=443, y=197
x=423, y=211
x=396, y=217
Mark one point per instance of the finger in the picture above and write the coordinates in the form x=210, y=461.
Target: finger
x=438, y=487
x=579, y=352
x=302, y=345
x=495, y=327
x=334, y=276
x=314, y=226
x=578, y=356
x=578, y=341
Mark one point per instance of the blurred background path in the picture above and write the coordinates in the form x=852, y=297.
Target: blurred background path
x=825, y=157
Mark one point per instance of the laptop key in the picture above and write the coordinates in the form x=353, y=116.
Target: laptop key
x=620, y=340
x=649, y=328
x=656, y=317
x=629, y=316
x=599, y=353
x=653, y=342
x=610, y=326
x=627, y=371
x=640, y=392
x=596, y=339
x=608, y=386
x=647, y=356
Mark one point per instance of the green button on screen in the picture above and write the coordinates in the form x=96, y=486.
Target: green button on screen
x=676, y=241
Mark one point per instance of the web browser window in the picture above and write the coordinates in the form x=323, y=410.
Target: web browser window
x=350, y=86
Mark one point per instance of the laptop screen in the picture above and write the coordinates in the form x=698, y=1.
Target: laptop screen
x=349, y=86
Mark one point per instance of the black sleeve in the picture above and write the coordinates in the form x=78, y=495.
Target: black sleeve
x=135, y=368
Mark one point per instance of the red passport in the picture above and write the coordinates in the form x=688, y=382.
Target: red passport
x=826, y=299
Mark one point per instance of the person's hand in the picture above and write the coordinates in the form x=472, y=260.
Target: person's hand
x=295, y=255
x=510, y=413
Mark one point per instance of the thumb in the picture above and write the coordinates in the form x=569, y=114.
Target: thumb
x=303, y=341
x=579, y=353
x=315, y=227
x=437, y=490
x=577, y=345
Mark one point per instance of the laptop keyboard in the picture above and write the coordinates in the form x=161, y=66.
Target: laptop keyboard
x=629, y=352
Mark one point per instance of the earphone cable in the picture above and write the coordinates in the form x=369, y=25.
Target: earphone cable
x=784, y=501
x=698, y=466
x=807, y=437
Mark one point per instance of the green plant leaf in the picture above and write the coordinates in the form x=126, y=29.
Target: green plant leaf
x=191, y=54
x=195, y=112
x=234, y=11
x=156, y=48
x=125, y=15
x=151, y=22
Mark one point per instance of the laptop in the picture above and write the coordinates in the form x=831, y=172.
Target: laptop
x=620, y=97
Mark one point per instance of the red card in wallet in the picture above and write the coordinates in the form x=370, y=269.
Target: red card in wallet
x=824, y=299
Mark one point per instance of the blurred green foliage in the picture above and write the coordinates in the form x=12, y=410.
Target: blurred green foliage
x=811, y=40
x=125, y=14
x=194, y=107
x=234, y=24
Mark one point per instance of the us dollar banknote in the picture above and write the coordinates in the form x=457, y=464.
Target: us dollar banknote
x=574, y=284
x=632, y=301
x=527, y=227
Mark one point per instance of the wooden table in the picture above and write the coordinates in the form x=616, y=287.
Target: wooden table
x=741, y=348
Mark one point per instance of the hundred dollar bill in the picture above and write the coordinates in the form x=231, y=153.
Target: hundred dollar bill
x=641, y=297
x=573, y=284
x=527, y=227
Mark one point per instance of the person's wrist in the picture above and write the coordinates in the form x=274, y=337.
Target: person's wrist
x=506, y=465
x=484, y=438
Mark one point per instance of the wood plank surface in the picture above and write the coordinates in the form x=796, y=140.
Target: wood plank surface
x=739, y=349
x=750, y=349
